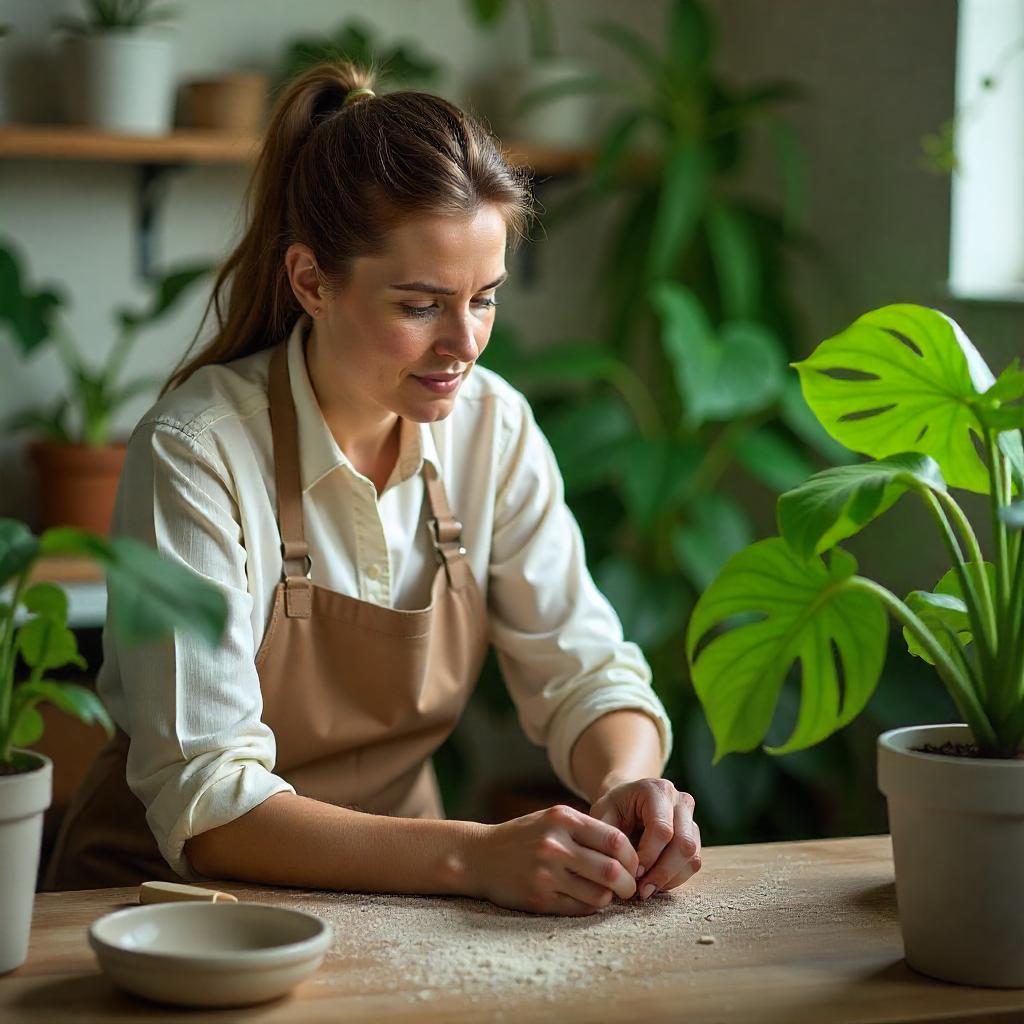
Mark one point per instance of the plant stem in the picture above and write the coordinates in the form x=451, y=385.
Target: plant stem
x=963, y=696
x=983, y=645
x=1003, y=682
x=7, y=659
x=640, y=401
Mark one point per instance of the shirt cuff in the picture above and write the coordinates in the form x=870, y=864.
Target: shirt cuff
x=225, y=799
x=570, y=723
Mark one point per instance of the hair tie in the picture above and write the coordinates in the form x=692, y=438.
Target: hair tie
x=353, y=93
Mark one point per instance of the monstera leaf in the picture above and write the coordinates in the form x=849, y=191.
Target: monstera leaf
x=790, y=610
x=944, y=608
x=902, y=378
x=839, y=502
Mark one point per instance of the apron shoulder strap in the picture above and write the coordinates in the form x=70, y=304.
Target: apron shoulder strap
x=294, y=549
x=445, y=529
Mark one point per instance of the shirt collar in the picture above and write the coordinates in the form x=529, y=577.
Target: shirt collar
x=319, y=452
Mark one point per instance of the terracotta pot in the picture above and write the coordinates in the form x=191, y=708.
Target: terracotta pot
x=957, y=827
x=229, y=103
x=77, y=483
x=24, y=796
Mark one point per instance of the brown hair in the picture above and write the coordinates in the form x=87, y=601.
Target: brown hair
x=337, y=177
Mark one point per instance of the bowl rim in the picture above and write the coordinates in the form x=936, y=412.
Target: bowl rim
x=237, y=959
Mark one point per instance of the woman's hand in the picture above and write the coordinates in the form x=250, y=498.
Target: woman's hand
x=654, y=810
x=555, y=861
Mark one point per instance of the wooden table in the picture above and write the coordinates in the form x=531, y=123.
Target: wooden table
x=804, y=933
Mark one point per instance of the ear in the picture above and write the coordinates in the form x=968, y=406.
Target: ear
x=304, y=277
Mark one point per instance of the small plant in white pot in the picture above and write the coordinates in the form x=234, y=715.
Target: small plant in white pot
x=148, y=597
x=903, y=385
x=118, y=66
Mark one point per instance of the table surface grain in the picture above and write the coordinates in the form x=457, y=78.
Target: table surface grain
x=805, y=933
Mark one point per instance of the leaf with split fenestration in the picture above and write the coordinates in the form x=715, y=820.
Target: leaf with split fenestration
x=839, y=502
x=792, y=610
x=902, y=378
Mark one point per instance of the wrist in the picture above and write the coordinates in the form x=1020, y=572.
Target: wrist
x=462, y=869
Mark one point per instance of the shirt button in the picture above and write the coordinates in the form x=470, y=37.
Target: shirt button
x=373, y=571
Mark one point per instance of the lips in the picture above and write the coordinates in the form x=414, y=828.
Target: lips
x=442, y=378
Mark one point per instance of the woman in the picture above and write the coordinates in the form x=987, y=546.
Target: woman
x=375, y=509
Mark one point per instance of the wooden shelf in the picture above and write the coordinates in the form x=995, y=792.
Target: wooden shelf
x=67, y=142
x=66, y=569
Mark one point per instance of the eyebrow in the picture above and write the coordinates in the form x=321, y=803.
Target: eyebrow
x=436, y=289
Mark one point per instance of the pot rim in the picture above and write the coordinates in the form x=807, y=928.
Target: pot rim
x=44, y=764
x=888, y=742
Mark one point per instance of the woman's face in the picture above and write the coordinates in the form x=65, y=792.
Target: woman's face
x=411, y=322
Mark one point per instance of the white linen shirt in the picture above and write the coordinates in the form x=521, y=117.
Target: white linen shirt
x=198, y=485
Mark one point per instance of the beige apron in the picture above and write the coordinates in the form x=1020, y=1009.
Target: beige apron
x=358, y=696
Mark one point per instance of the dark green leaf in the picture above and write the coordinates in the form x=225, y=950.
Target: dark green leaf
x=26, y=728
x=650, y=607
x=47, y=600
x=583, y=436
x=29, y=315
x=770, y=458
x=839, y=502
x=684, y=185
x=655, y=475
x=737, y=261
x=18, y=547
x=717, y=528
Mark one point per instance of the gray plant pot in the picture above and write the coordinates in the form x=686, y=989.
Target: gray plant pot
x=120, y=81
x=957, y=827
x=23, y=799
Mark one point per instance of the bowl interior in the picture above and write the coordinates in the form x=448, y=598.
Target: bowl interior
x=207, y=929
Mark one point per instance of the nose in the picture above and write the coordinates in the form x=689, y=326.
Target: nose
x=459, y=339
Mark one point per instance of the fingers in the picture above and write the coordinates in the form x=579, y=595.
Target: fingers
x=598, y=835
x=603, y=871
x=681, y=859
x=658, y=821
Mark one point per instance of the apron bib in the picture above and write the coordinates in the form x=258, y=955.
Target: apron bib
x=358, y=696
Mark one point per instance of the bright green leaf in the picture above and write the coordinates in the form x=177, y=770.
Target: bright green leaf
x=26, y=728
x=922, y=398
x=47, y=600
x=78, y=701
x=839, y=502
x=44, y=643
x=800, y=611
x=945, y=606
x=797, y=415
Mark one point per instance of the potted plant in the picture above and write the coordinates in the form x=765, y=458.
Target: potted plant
x=148, y=597
x=904, y=386
x=77, y=459
x=119, y=66
x=567, y=118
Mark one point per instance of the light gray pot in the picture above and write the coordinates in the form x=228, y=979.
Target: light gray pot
x=23, y=799
x=957, y=827
x=120, y=81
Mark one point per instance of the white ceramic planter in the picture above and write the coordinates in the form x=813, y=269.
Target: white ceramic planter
x=23, y=799
x=120, y=81
x=564, y=123
x=957, y=827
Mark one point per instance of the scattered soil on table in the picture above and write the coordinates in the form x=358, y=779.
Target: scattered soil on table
x=422, y=946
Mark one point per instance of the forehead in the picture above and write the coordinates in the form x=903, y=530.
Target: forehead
x=431, y=245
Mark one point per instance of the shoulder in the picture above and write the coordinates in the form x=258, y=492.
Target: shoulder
x=215, y=397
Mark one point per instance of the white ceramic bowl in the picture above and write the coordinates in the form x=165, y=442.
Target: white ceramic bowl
x=209, y=954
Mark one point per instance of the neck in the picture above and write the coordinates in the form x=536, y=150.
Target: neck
x=363, y=433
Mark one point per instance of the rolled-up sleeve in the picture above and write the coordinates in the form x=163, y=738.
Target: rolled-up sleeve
x=200, y=756
x=558, y=641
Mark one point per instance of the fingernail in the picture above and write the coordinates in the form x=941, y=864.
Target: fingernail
x=640, y=871
x=646, y=891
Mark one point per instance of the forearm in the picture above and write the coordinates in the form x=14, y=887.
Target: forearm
x=294, y=840
x=618, y=747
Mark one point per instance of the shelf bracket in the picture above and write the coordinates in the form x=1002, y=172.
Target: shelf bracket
x=150, y=193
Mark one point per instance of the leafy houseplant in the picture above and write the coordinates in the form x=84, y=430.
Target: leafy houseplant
x=78, y=461
x=903, y=385
x=118, y=67
x=148, y=596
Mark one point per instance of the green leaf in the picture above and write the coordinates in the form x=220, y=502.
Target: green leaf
x=691, y=40
x=18, y=547
x=684, y=185
x=904, y=401
x=151, y=595
x=945, y=606
x=650, y=607
x=633, y=46
x=717, y=528
x=44, y=643
x=797, y=415
x=70, y=540
x=770, y=458
x=26, y=727
x=791, y=172
x=689, y=342
x=995, y=408
x=29, y=315
x=585, y=85
x=46, y=600
x=839, y=502
x=71, y=698
x=486, y=12
x=583, y=436
x=567, y=361
x=737, y=261
x=654, y=475
x=800, y=611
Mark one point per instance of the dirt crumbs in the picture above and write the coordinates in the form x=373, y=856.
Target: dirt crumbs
x=951, y=749
x=422, y=945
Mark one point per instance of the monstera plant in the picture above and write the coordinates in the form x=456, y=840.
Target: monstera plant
x=905, y=386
